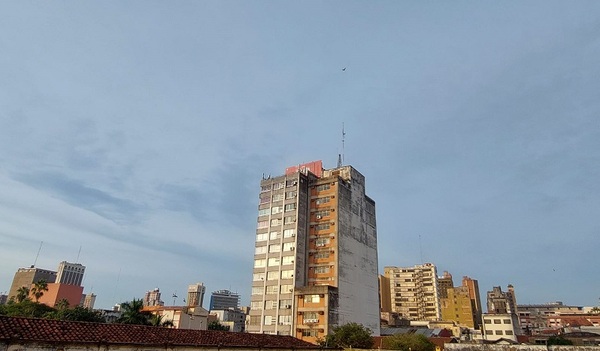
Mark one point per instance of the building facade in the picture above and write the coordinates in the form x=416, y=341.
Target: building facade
x=315, y=263
x=195, y=295
x=25, y=277
x=224, y=300
x=152, y=298
x=414, y=292
x=70, y=273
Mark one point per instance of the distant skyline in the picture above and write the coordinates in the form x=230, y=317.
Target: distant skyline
x=139, y=131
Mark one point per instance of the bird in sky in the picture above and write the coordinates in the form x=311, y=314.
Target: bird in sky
x=344, y=69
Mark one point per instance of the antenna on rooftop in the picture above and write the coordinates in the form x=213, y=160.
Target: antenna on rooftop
x=341, y=156
x=420, y=249
x=78, y=253
x=38, y=254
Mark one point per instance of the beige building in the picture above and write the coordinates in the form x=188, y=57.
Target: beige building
x=315, y=262
x=414, y=292
x=25, y=277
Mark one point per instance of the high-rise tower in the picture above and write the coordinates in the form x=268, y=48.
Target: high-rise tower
x=70, y=273
x=315, y=262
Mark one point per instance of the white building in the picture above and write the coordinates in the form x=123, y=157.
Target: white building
x=500, y=326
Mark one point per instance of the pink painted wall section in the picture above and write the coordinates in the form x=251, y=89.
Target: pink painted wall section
x=57, y=292
x=314, y=167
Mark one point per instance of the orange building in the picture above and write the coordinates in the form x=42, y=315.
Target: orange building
x=56, y=292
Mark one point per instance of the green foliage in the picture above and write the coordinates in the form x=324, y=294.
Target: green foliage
x=157, y=321
x=77, y=313
x=408, y=342
x=25, y=308
x=22, y=294
x=215, y=325
x=131, y=313
x=558, y=340
x=351, y=335
x=38, y=289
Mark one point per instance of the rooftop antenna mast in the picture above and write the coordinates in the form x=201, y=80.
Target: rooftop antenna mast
x=78, y=253
x=38, y=254
x=341, y=156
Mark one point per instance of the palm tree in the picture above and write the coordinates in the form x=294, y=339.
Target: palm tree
x=131, y=313
x=38, y=289
x=157, y=321
x=22, y=294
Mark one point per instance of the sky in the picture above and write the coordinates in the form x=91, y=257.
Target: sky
x=134, y=135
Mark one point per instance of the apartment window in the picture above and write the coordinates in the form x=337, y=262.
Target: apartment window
x=261, y=237
x=264, y=199
x=274, y=235
x=287, y=260
x=323, y=187
x=508, y=332
x=263, y=212
x=311, y=298
x=285, y=320
x=289, y=220
x=275, y=248
x=290, y=182
x=275, y=222
x=256, y=305
x=260, y=250
x=285, y=304
x=278, y=186
x=322, y=226
x=287, y=274
x=322, y=200
x=288, y=247
x=255, y=320
x=498, y=332
x=273, y=275
x=273, y=261
x=277, y=197
x=323, y=213
x=263, y=224
x=309, y=332
x=322, y=254
x=269, y=320
x=265, y=188
x=258, y=276
x=322, y=269
x=322, y=242
x=286, y=289
x=291, y=194
x=497, y=321
x=489, y=332
x=288, y=233
x=260, y=263
x=310, y=317
x=290, y=207
x=506, y=321
x=272, y=289
x=487, y=321
x=258, y=290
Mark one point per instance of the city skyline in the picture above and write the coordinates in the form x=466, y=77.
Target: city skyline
x=139, y=133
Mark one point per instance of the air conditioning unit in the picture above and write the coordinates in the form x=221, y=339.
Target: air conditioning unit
x=293, y=235
x=292, y=248
x=288, y=306
x=318, y=216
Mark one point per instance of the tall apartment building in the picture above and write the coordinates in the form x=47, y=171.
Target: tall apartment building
x=224, y=300
x=195, y=295
x=152, y=298
x=70, y=273
x=456, y=307
x=315, y=262
x=414, y=292
x=445, y=282
x=24, y=277
x=473, y=287
x=504, y=303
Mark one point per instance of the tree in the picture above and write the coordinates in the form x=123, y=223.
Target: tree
x=157, y=321
x=25, y=308
x=558, y=340
x=131, y=313
x=22, y=294
x=408, y=342
x=351, y=335
x=77, y=313
x=215, y=325
x=38, y=289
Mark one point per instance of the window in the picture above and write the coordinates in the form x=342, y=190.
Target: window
x=322, y=226
x=323, y=187
x=277, y=186
x=260, y=263
x=289, y=220
x=290, y=207
x=269, y=320
x=273, y=261
x=291, y=194
x=290, y=182
x=489, y=332
x=256, y=305
x=322, y=200
x=498, y=332
x=277, y=197
x=263, y=212
x=263, y=224
x=254, y=320
x=261, y=237
x=311, y=298
x=257, y=290
x=286, y=289
x=322, y=269
x=497, y=321
x=322, y=242
x=274, y=275
x=322, y=254
x=309, y=332
x=275, y=248
x=508, y=332
x=288, y=247
x=264, y=199
x=506, y=321
x=287, y=260
x=285, y=320
x=310, y=317
x=265, y=188
x=321, y=214
x=287, y=274
x=487, y=321
x=275, y=209
x=274, y=235
x=272, y=289
x=285, y=303
x=275, y=222
x=258, y=277
x=288, y=233
x=260, y=250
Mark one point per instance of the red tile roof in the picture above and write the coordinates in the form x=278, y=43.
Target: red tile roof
x=46, y=330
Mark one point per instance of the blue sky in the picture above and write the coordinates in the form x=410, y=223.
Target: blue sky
x=139, y=131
